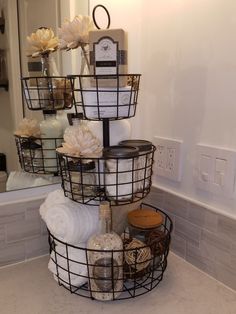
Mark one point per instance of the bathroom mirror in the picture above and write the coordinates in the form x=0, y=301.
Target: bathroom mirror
x=33, y=14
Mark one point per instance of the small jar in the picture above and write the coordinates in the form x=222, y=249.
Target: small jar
x=144, y=162
x=120, y=172
x=146, y=225
x=82, y=183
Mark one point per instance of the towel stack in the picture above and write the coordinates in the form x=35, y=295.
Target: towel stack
x=70, y=223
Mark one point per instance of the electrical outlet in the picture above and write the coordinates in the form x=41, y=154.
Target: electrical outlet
x=168, y=158
x=160, y=156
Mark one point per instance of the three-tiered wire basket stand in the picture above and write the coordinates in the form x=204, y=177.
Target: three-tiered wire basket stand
x=122, y=179
x=122, y=175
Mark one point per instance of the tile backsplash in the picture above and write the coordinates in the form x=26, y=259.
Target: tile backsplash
x=202, y=237
x=22, y=232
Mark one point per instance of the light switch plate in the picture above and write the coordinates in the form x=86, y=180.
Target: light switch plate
x=215, y=169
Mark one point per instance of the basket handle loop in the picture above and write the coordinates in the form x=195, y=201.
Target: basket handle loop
x=107, y=12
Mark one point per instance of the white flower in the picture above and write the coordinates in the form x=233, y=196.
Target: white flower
x=81, y=143
x=28, y=128
x=75, y=34
x=43, y=41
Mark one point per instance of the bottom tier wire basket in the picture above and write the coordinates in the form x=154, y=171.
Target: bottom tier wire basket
x=142, y=268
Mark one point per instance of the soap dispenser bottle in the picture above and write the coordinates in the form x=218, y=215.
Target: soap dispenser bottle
x=51, y=134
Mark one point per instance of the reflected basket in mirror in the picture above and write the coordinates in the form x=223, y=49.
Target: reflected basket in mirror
x=107, y=96
x=38, y=155
x=51, y=92
x=118, y=179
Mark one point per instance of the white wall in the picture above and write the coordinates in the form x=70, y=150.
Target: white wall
x=186, y=52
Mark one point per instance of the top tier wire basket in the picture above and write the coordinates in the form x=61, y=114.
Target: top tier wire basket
x=112, y=97
x=50, y=92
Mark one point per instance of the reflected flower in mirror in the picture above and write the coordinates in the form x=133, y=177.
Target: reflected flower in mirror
x=28, y=128
x=42, y=42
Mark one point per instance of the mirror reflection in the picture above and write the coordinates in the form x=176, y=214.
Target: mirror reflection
x=33, y=14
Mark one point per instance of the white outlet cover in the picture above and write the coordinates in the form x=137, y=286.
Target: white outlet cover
x=170, y=158
x=218, y=170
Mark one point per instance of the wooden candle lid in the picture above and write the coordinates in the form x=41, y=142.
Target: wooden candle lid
x=144, y=218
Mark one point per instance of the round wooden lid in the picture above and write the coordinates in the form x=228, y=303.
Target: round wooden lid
x=144, y=218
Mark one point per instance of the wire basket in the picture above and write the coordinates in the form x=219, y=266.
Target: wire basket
x=38, y=155
x=50, y=92
x=78, y=275
x=120, y=180
x=110, y=97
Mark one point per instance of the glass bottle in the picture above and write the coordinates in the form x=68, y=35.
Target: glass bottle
x=51, y=134
x=51, y=89
x=84, y=66
x=43, y=84
x=105, y=257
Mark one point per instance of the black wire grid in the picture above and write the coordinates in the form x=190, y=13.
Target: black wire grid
x=112, y=97
x=133, y=284
x=120, y=180
x=38, y=155
x=51, y=92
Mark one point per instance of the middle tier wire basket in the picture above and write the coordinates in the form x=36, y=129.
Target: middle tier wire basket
x=120, y=180
x=38, y=155
x=141, y=269
x=110, y=97
x=48, y=92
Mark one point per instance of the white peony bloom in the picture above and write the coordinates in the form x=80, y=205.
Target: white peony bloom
x=28, y=128
x=75, y=34
x=80, y=143
x=43, y=41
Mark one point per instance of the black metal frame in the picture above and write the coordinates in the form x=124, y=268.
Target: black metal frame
x=127, y=181
x=38, y=155
x=133, y=286
x=114, y=97
x=46, y=93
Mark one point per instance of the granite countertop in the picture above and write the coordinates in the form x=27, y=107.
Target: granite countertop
x=29, y=288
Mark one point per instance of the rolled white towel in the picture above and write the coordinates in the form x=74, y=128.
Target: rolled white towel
x=68, y=221
x=119, y=130
x=77, y=272
x=20, y=180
